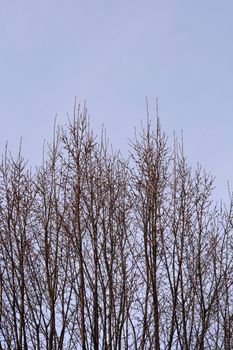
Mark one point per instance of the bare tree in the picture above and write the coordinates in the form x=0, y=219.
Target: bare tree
x=102, y=252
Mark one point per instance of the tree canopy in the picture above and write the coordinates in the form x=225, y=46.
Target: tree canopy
x=102, y=252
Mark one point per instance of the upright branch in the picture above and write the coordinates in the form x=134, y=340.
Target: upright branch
x=102, y=252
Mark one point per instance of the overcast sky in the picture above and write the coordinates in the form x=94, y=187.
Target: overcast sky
x=112, y=54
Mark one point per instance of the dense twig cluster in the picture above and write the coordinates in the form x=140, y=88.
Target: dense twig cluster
x=97, y=252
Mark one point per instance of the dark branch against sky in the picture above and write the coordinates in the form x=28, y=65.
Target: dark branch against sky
x=113, y=54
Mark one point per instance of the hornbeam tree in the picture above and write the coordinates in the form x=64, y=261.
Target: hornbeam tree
x=102, y=252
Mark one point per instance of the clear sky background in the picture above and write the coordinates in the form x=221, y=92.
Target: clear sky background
x=112, y=54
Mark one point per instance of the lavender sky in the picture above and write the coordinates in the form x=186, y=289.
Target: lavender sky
x=113, y=54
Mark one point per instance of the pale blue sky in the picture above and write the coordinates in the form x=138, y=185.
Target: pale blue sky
x=113, y=54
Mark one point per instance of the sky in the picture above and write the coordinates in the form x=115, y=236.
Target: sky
x=114, y=54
